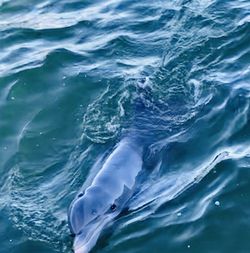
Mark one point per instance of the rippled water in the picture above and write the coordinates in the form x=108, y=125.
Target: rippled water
x=70, y=73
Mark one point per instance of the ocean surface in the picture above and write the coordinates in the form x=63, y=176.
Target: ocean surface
x=70, y=73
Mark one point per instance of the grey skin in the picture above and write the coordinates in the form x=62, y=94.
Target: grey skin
x=107, y=195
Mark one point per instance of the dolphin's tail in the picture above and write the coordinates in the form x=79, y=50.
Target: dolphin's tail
x=146, y=115
x=146, y=123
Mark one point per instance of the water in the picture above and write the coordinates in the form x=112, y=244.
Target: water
x=70, y=72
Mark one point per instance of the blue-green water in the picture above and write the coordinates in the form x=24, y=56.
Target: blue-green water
x=69, y=74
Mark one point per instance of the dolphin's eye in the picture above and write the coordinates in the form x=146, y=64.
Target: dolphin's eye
x=113, y=207
x=80, y=195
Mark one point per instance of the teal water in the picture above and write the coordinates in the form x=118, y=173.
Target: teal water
x=69, y=74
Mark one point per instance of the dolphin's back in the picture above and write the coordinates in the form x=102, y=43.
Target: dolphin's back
x=121, y=168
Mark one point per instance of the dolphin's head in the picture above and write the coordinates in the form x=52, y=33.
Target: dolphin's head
x=89, y=213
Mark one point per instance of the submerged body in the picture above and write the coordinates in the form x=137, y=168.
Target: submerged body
x=93, y=209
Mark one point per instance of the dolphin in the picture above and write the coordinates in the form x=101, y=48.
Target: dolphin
x=95, y=208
